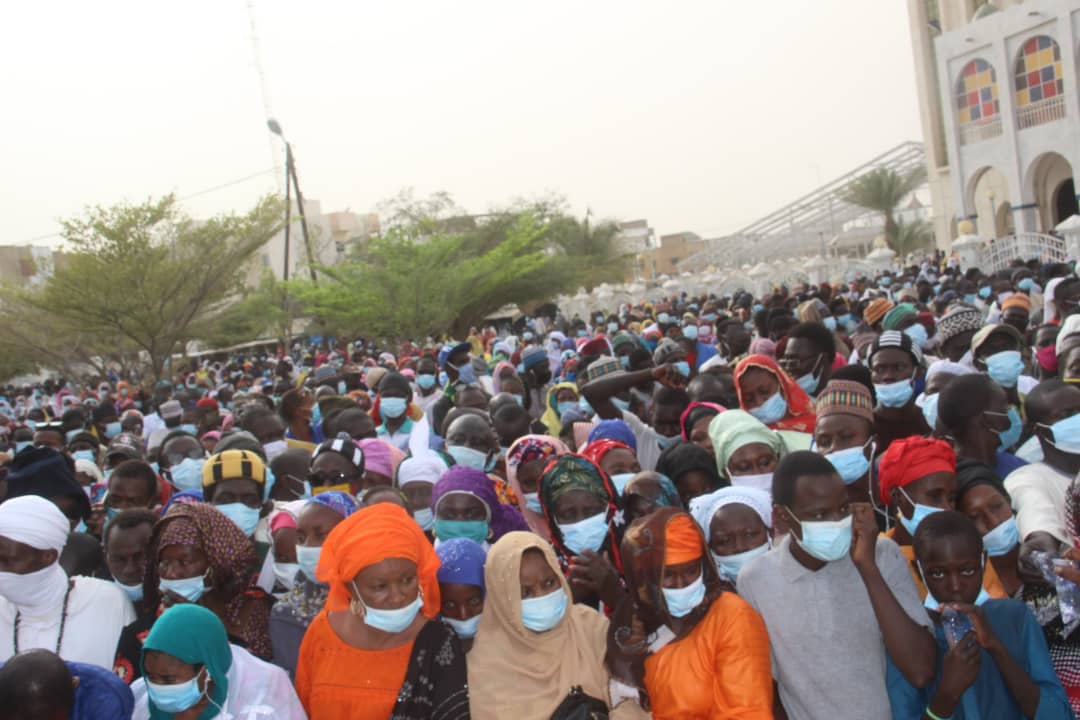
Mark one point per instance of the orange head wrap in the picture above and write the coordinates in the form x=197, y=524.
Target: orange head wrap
x=682, y=541
x=912, y=458
x=369, y=536
x=1019, y=300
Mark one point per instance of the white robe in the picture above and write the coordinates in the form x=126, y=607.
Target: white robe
x=97, y=612
x=257, y=691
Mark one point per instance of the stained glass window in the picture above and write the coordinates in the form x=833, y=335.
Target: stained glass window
x=1038, y=71
x=976, y=93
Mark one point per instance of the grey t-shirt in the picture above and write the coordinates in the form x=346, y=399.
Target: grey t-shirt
x=828, y=654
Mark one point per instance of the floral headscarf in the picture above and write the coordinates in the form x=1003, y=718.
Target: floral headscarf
x=527, y=449
x=800, y=408
x=575, y=472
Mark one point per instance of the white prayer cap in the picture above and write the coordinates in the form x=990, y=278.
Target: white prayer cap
x=34, y=521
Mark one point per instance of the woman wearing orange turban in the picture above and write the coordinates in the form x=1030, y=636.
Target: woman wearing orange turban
x=720, y=665
x=375, y=651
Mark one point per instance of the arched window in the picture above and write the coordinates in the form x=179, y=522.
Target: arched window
x=977, y=105
x=1040, y=87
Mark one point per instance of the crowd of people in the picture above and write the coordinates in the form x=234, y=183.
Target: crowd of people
x=852, y=500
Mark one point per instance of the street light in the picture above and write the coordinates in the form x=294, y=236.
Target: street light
x=290, y=174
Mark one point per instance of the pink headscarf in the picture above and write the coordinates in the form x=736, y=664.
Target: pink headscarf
x=380, y=457
x=527, y=449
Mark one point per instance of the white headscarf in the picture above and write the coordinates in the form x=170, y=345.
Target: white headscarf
x=704, y=507
x=1069, y=328
x=34, y=521
x=426, y=467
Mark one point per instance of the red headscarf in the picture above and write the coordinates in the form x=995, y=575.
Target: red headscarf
x=597, y=449
x=800, y=408
x=689, y=409
x=371, y=535
x=912, y=458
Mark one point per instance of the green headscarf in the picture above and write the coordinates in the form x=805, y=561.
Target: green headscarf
x=194, y=635
x=733, y=429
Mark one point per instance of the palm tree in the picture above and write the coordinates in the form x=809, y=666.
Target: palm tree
x=912, y=236
x=882, y=190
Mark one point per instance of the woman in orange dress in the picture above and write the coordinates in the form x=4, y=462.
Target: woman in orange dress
x=375, y=650
x=690, y=648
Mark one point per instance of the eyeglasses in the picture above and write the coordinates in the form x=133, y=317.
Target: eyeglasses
x=175, y=458
x=322, y=478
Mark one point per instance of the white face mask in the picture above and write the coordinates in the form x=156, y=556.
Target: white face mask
x=761, y=481
x=285, y=574
x=35, y=593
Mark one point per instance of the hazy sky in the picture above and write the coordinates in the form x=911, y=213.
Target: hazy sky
x=698, y=116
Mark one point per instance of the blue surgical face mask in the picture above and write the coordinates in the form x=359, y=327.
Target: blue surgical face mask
x=845, y=320
x=690, y=332
x=666, y=441
x=188, y=474
x=1066, y=434
x=443, y=378
x=1026, y=284
x=969, y=299
x=624, y=360
x=466, y=373
x=175, y=698
x=565, y=405
x=730, y=565
x=932, y=603
x=830, y=323
x=928, y=404
x=850, y=463
x=134, y=592
x=425, y=518
x=87, y=455
x=984, y=292
x=682, y=601
x=308, y=560
x=390, y=621
x=425, y=381
x=189, y=428
x=1002, y=539
x=612, y=328
x=1011, y=435
x=827, y=540
x=917, y=515
x=519, y=399
x=191, y=589
x=470, y=458
x=532, y=502
x=391, y=408
x=772, y=410
x=543, y=613
x=21, y=445
x=809, y=383
x=587, y=534
x=683, y=368
x=918, y=334
x=620, y=480
x=464, y=629
x=894, y=395
x=244, y=517
x=1005, y=367
x=475, y=530
x=113, y=429
x=341, y=387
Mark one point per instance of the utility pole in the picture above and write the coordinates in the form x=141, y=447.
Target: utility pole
x=290, y=174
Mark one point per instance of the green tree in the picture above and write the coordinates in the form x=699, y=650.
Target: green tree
x=428, y=276
x=145, y=275
x=912, y=236
x=882, y=190
x=264, y=311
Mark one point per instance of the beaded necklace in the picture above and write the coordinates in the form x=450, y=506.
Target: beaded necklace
x=63, y=622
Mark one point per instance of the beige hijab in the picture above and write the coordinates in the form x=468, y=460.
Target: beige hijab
x=520, y=674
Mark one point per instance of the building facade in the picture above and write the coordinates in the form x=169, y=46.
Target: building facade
x=1000, y=111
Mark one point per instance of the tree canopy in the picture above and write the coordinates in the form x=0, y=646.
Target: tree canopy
x=433, y=273
x=882, y=190
x=136, y=280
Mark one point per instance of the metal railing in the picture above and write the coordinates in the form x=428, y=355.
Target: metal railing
x=1041, y=112
x=1026, y=246
x=975, y=132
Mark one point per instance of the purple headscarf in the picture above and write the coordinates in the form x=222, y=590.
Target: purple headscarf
x=504, y=518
